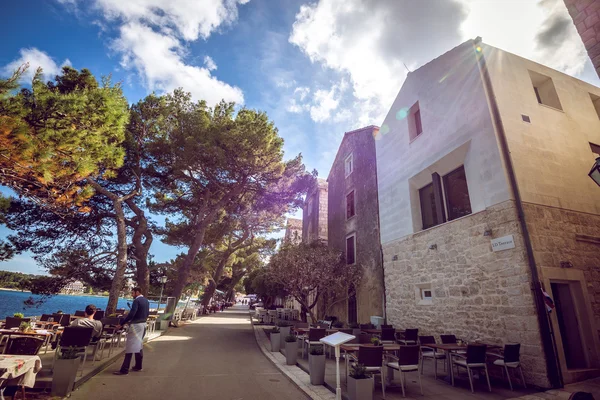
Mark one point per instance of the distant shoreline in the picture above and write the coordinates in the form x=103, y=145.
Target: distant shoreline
x=63, y=294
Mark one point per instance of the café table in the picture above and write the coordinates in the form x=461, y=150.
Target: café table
x=45, y=334
x=15, y=366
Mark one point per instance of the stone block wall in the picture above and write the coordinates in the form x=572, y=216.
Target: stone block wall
x=477, y=294
x=586, y=17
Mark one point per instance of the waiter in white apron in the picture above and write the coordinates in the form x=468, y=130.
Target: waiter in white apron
x=137, y=317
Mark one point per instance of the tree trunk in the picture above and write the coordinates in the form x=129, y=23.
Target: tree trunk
x=141, y=248
x=142, y=274
x=184, y=271
x=117, y=283
x=212, y=284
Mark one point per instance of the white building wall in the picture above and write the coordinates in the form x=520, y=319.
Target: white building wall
x=457, y=129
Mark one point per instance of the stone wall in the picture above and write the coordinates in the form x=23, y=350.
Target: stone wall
x=477, y=294
x=314, y=213
x=586, y=17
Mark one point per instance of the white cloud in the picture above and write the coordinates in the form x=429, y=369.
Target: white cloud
x=36, y=59
x=158, y=58
x=302, y=91
x=326, y=101
x=209, y=63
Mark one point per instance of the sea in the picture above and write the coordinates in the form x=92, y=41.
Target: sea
x=13, y=301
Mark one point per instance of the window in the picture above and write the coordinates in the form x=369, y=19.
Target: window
x=452, y=189
x=423, y=293
x=350, y=205
x=595, y=149
x=351, y=250
x=596, y=103
x=544, y=90
x=415, y=124
x=349, y=165
x=458, y=203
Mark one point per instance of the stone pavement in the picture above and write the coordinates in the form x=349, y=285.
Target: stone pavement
x=214, y=357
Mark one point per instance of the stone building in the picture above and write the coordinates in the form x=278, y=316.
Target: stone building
x=586, y=17
x=293, y=231
x=485, y=202
x=74, y=287
x=353, y=221
x=314, y=214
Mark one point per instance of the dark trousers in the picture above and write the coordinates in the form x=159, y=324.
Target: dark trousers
x=127, y=361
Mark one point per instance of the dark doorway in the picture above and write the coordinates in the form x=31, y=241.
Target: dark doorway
x=352, y=310
x=568, y=322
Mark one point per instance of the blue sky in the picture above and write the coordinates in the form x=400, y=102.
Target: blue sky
x=318, y=68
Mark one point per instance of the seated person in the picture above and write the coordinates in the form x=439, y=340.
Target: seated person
x=89, y=322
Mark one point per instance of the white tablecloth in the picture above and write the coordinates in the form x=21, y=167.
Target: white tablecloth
x=12, y=366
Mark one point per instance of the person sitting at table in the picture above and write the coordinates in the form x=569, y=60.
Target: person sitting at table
x=89, y=322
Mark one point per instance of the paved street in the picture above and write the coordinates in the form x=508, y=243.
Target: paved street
x=215, y=357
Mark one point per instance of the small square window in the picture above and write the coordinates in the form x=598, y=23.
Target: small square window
x=350, y=205
x=423, y=294
x=351, y=250
x=544, y=90
x=349, y=165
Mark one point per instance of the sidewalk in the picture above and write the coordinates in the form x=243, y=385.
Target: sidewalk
x=214, y=357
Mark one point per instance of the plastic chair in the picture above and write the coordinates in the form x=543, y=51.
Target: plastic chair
x=510, y=359
x=474, y=359
x=24, y=345
x=406, y=361
x=431, y=353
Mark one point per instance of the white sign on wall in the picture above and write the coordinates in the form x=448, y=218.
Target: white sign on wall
x=503, y=243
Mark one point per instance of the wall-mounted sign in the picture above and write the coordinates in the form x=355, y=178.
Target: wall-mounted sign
x=503, y=243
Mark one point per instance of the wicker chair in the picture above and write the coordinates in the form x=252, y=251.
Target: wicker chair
x=510, y=359
x=474, y=359
x=431, y=353
x=24, y=345
x=406, y=361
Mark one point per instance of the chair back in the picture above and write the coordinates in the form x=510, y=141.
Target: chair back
x=99, y=315
x=476, y=353
x=387, y=326
x=345, y=330
x=448, y=339
x=364, y=338
x=44, y=317
x=301, y=325
x=408, y=355
x=388, y=334
x=424, y=340
x=316, y=334
x=324, y=324
x=76, y=336
x=370, y=356
x=511, y=352
x=111, y=321
x=411, y=334
x=12, y=322
x=366, y=326
x=24, y=346
x=80, y=313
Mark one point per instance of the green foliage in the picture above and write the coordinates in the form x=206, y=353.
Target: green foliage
x=290, y=338
x=18, y=315
x=375, y=341
x=56, y=134
x=24, y=326
x=316, y=350
x=14, y=280
x=358, y=371
x=69, y=353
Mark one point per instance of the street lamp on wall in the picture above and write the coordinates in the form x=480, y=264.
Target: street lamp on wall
x=162, y=280
x=595, y=172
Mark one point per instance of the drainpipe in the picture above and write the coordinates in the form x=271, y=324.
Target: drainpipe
x=552, y=365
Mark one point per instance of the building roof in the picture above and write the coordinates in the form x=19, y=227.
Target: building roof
x=346, y=135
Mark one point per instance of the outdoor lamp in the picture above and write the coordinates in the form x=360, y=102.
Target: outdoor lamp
x=162, y=279
x=595, y=172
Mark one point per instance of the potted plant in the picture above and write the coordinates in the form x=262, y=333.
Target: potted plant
x=65, y=371
x=284, y=329
x=291, y=350
x=338, y=324
x=355, y=328
x=18, y=315
x=375, y=341
x=316, y=365
x=275, y=337
x=25, y=327
x=360, y=384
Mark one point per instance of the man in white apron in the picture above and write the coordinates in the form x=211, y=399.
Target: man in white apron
x=136, y=319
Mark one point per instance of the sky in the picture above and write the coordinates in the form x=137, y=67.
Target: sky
x=318, y=68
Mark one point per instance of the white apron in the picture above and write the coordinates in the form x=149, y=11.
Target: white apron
x=135, y=336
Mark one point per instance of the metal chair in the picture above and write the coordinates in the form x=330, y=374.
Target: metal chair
x=448, y=339
x=99, y=315
x=78, y=337
x=387, y=326
x=372, y=359
x=314, y=337
x=406, y=361
x=431, y=353
x=388, y=336
x=24, y=345
x=364, y=338
x=474, y=359
x=510, y=359
x=80, y=313
x=13, y=322
x=410, y=337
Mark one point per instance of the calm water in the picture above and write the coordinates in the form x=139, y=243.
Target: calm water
x=12, y=302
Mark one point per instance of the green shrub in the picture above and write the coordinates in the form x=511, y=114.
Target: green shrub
x=375, y=341
x=18, y=315
x=24, y=326
x=358, y=371
x=290, y=338
x=316, y=350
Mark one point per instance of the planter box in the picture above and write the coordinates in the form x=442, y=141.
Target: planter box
x=291, y=353
x=63, y=376
x=316, y=369
x=163, y=324
x=360, y=389
x=283, y=331
x=275, y=341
